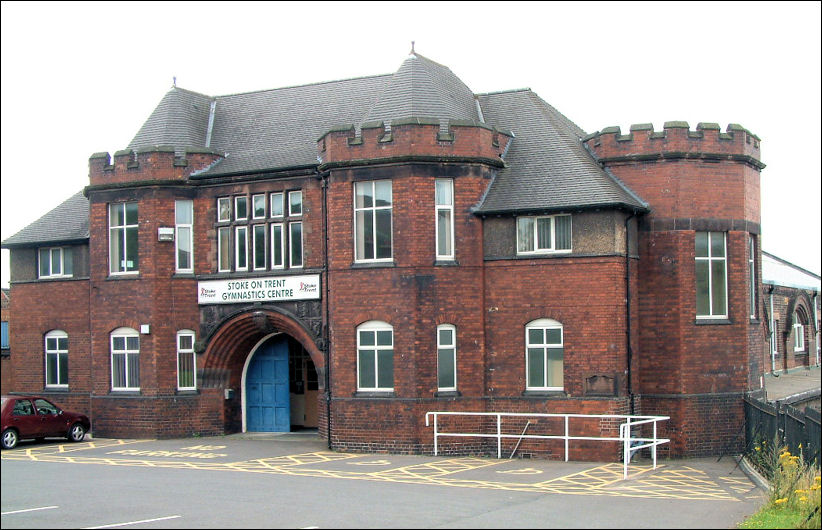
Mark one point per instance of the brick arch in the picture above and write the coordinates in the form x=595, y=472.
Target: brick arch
x=238, y=333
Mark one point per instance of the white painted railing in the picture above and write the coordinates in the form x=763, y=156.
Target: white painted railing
x=630, y=443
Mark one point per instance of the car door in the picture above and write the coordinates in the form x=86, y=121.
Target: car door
x=51, y=423
x=25, y=419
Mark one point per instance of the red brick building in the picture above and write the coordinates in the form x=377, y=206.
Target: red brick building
x=350, y=255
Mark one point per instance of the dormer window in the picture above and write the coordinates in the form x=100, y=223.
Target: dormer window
x=55, y=262
x=543, y=234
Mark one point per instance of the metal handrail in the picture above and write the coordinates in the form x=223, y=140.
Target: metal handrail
x=631, y=443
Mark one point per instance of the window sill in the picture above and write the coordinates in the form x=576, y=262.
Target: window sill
x=545, y=394
x=755, y=320
x=125, y=393
x=374, y=394
x=129, y=276
x=56, y=389
x=712, y=322
x=188, y=392
x=373, y=264
x=447, y=394
x=446, y=263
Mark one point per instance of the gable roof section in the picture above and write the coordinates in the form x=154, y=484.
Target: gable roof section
x=547, y=166
x=66, y=223
x=777, y=271
x=180, y=120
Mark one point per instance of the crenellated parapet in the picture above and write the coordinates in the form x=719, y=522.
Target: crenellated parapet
x=413, y=139
x=157, y=163
x=675, y=141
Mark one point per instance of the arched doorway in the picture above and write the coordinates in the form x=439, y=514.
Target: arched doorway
x=266, y=387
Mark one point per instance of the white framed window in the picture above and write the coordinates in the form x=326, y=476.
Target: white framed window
x=276, y=204
x=544, y=353
x=295, y=244
x=258, y=205
x=277, y=246
x=123, y=238
x=295, y=203
x=57, y=359
x=259, y=247
x=375, y=356
x=223, y=209
x=186, y=361
x=544, y=234
x=184, y=238
x=224, y=249
x=55, y=262
x=125, y=359
x=711, y=275
x=372, y=221
x=752, y=288
x=446, y=357
x=241, y=248
x=444, y=199
x=798, y=333
x=240, y=208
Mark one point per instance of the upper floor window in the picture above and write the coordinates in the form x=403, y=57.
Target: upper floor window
x=241, y=248
x=446, y=357
x=372, y=220
x=186, y=361
x=57, y=359
x=545, y=234
x=711, y=275
x=184, y=240
x=544, y=350
x=276, y=204
x=752, y=274
x=4, y=335
x=258, y=203
x=295, y=241
x=223, y=209
x=224, y=249
x=375, y=356
x=125, y=359
x=55, y=262
x=444, y=198
x=123, y=238
x=259, y=247
x=295, y=203
x=798, y=332
x=240, y=208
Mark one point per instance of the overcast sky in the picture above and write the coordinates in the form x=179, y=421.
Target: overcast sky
x=81, y=78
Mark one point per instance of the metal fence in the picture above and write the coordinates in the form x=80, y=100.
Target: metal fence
x=784, y=424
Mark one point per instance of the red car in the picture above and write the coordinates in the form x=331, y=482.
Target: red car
x=35, y=417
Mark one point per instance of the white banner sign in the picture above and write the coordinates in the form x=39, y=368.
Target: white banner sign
x=270, y=289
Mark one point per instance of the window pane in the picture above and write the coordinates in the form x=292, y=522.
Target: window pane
x=295, y=202
x=45, y=262
x=259, y=206
x=445, y=368
x=131, y=250
x=116, y=242
x=63, y=371
x=276, y=205
x=718, y=287
x=701, y=244
x=118, y=370
x=553, y=336
x=62, y=343
x=365, y=235
x=544, y=232
x=443, y=193
x=118, y=343
x=131, y=213
x=51, y=344
x=186, y=342
x=296, y=238
x=259, y=246
x=703, y=305
x=225, y=249
x=385, y=365
x=183, y=247
x=241, y=207
x=364, y=195
x=446, y=337
x=51, y=369
x=536, y=336
x=132, y=343
x=56, y=261
x=384, y=338
x=242, y=251
x=444, y=247
x=367, y=369
x=223, y=209
x=277, y=246
x=367, y=338
x=184, y=212
x=536, y=367
x=383, y=234
x=382, y=191
x=554, y=367
x=68, y=261
x=133, y=370
x=186, y=372
x=525, y=234
x=562, y=232
x=116, y=214
x=717, y=244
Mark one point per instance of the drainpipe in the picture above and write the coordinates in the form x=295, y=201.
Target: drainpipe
x=630, y=351
x=816, y=325
x=772, y=335
x=327, y=314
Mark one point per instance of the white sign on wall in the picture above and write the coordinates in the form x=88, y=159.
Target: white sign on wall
x=266, y=289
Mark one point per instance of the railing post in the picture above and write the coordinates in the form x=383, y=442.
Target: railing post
x=566, y=437
x=654, y=446
x=626, y=447
x=499, y=436
x=435, y=434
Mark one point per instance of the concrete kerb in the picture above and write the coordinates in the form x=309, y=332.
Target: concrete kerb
x=754, y=475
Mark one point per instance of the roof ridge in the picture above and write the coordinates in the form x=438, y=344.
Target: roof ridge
x=303, y=85
x=526, y=89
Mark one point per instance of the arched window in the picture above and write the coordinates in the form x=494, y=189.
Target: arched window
x=125, y=359
x=186, y=361
x=375, y=356
x=798, y=331
x=57, y=359
x=446, y=357
x=544, y=352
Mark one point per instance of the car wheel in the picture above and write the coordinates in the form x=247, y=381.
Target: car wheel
x=9, y=439
x=76, y=433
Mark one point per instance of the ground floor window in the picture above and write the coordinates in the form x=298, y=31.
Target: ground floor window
x=125, y=359
x=57, y=359
x=186, y=361
x=375, y=356
x=446, y=357
x=544, y=355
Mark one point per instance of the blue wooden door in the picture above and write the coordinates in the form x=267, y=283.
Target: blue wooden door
x=268, y=406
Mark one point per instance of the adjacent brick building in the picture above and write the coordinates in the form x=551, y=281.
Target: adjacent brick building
x=350, y=255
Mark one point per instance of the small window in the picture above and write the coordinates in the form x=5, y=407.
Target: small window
x=224, y=249
x=55, y=262
x=240, y=208
x=276, y=205
x=4, y=341
x=241, y=248
x=57, y=359
x=295, y=203
x=259, y=247
x=711, y=275
x=544, y=351
x=295, y=243
x=258, y=202
x=223, y=209
x=184, y=224
x=123, y=226
x=444, y=198
x=186, y=361
x=446, y=357
x=372, y=221
x=543, y=235
x=798, y=332
x=752, y=288
x=125, y=359
x=375, y=356
x=277, y=246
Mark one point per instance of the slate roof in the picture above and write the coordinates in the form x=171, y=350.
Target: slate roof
x=66, y=223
